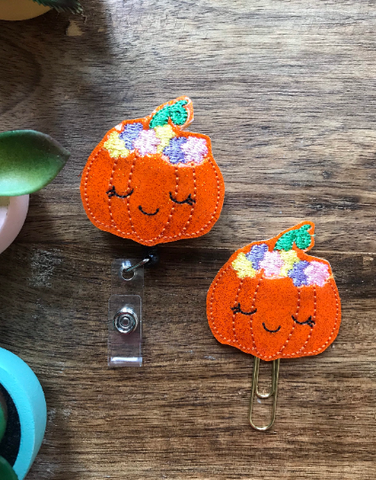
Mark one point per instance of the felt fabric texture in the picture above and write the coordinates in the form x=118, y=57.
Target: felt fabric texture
x=259, y=309
x=154, y=185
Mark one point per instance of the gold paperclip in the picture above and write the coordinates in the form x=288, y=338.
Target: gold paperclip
x=255, y=392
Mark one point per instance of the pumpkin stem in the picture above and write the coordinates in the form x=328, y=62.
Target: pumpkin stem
x=177, y=112
x=301, y=237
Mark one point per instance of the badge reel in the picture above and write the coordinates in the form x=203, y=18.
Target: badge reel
x=152, y=181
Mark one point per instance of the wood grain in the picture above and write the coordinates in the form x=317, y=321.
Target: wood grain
x=286, y=91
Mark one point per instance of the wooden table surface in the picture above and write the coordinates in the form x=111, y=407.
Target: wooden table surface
x=286, y=91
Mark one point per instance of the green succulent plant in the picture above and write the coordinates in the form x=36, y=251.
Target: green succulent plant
x=29, y=160
x=72, y=6
x=6, y=470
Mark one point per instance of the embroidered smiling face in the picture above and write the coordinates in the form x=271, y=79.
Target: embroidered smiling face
x=272, y=300
x=150, y=181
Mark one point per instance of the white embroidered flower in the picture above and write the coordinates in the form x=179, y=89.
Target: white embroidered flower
x=147, y=142
x=317, y=273
x=194, y=149
x=272, y=264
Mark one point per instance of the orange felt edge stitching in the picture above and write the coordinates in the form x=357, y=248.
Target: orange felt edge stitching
x=194, y=203
x=169, y=238
x=234, y=313
x=251, y=323
x=250, y=320
x=314, y=318
x=129, y=210
x=177, y=178
x=128, y=202
x=275, y=356
x=293, y=326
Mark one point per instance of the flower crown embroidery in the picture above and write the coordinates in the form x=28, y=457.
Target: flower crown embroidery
x=283, y=261
x=159, y=138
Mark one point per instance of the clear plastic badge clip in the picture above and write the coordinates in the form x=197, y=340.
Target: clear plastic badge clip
x=125, y=313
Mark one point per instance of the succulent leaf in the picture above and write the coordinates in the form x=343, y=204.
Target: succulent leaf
x=3, y=418
x=72, y=6
x=6, y=471
x=29, y=160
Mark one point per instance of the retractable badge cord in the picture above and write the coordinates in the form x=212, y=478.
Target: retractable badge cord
x=150, y=181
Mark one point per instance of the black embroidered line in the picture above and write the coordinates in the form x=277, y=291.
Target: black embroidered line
x=146, y=213
x=309, y=322
x=271, y=331
x=237, y=309
x=189, y=200
x=112, y=193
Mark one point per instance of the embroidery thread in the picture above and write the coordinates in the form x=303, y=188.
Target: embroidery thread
x=158, y=163
x=283, y=286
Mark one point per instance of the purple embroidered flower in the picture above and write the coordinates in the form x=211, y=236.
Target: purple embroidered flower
x=272, y=264
x=130, y=133
x=256, y=254
x=297, y=273
x=147, y=142
x=195, y=149
x=174, y=151
x=317, y=273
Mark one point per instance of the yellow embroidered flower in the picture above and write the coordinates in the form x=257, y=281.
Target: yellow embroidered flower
x=116, y=146
x=289, y=258
x=243, y=266
x=164, y=133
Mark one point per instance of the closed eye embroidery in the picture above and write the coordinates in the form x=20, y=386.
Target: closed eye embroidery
x=237, y=309
x=189, y=200
x=309, y=322
x=112, y=193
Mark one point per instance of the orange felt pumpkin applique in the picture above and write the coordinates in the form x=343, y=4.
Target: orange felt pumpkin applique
x=152, y=182
x=273, y=300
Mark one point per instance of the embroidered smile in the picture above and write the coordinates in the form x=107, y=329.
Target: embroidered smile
x=146, y=213
x=271, y=331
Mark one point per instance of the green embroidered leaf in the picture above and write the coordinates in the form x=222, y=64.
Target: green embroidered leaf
x=286, y=241
x=72, y=6
x=29, y=160
x=6, y=471
x=301, y=237
x=160, y=118
x=176, y=112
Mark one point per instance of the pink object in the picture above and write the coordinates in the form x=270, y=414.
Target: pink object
x=195, y=149
x=147, y=142
x=13, y=211
x=317, y=273
x=272, y=264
